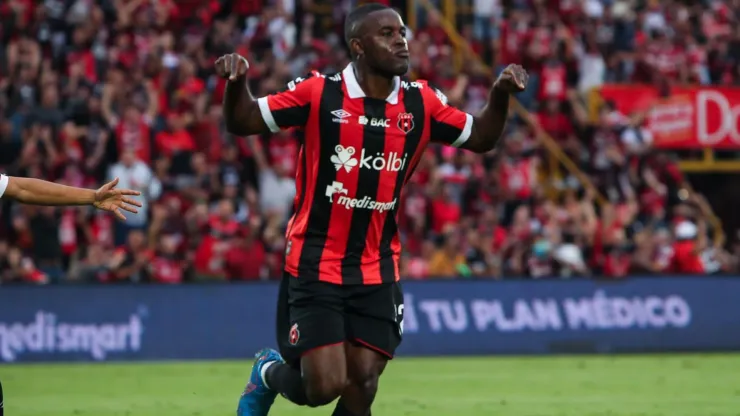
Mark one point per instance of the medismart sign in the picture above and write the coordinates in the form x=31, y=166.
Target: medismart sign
x=442, y=317
x=135, y=322
x=47, y=334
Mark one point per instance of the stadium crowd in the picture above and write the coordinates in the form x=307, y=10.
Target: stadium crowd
x=93, y=89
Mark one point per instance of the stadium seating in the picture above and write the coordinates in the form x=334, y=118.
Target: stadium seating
x=126, y=89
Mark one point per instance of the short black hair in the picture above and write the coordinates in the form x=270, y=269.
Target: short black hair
x=354, y=18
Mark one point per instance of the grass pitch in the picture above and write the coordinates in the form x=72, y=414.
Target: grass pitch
x=665, y=385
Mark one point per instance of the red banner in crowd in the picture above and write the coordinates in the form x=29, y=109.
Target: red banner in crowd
x=693, y=117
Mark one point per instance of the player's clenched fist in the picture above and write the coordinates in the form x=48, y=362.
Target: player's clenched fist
x=231, y=66
x=513, y=79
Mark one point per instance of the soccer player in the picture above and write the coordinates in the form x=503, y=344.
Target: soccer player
x=39, y=192
x=340, y=306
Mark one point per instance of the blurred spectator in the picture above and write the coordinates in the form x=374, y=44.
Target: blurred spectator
x=166, y=264
x=134, y=174
x=447, y=259
x=94, y=266
x=130, y=261
x=278, y=178
x=246, y=258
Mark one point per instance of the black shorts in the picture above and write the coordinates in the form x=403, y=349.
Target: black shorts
x=313, y=314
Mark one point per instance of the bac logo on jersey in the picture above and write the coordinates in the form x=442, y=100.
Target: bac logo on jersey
x=294, y=335
x=374, y=122
x=340, y=116
x=406, y=122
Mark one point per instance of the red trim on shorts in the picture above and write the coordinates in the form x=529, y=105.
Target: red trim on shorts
x=304, y=353
x=374, y=348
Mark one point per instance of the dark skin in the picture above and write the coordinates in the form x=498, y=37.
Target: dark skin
x=380, y=52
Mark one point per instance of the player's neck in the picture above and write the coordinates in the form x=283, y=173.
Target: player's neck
x=374, y=85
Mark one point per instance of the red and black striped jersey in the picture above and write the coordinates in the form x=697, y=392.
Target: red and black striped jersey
x=357, y=154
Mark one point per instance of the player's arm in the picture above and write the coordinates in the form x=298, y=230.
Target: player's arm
x=488, y=126
x=39, y=192
x=245, y=115
x=480, y=133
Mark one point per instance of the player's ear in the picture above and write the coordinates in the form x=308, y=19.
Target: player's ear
x=355, y=46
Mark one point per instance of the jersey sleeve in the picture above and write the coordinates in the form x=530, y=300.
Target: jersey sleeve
x=3, y=184
x=291, y=107
x=448, y=124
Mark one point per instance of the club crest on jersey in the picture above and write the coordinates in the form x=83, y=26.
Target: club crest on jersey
x=294, y=335
x=406, y=122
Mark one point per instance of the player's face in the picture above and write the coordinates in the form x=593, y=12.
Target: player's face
x=385, y=43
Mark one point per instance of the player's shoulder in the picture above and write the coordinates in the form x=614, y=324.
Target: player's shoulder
x=429, y=90
x=310, y=79
x=316, y=79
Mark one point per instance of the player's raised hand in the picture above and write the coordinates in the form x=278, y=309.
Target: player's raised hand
x=108, y=198
x=513, y=79
x=231, y=66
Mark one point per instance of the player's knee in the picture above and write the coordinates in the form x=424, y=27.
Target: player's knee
x=366, y=381
x=325, y=389
x=369, y=387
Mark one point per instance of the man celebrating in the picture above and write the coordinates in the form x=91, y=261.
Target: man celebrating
x=340, y=308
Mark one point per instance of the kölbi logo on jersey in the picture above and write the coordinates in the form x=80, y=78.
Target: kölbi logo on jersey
x=345, y=158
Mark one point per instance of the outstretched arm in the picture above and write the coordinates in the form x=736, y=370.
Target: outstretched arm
x=488, y=126
x=39, y=192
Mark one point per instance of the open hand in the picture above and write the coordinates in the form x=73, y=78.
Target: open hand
x=513, y=79
x=107, y=198
x=231, y=66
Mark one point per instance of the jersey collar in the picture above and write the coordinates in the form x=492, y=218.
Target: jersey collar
x=355, y=91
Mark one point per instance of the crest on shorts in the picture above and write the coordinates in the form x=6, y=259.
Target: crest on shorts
x=406, y=122
x=294, y=335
